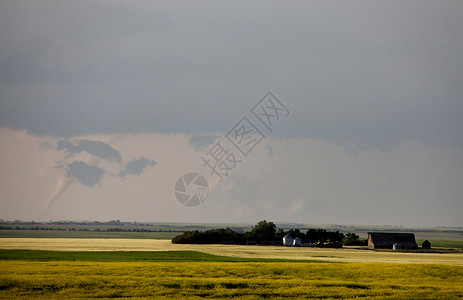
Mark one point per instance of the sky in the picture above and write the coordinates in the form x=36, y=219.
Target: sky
x=326, y=112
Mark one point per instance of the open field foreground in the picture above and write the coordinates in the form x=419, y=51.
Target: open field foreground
x=277, y=252
x=252, y=280
x=146, y=269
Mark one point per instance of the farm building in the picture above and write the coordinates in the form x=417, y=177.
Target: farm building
x=297, y=242
x=426, y=245
x=287, y=240
x=386, y=240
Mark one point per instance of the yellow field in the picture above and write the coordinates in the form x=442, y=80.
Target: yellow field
x=382, y=275
x=226, y=280
x=337, y=255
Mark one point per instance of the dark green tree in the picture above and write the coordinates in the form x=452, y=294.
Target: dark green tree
x=311, y=236
x=322, y=236
x=280, y=233
x=351, y=239
x=335, y=237
x=262, y=231
x=295, y=233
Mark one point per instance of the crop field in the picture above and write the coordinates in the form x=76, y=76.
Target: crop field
x=158, y=269
x=253, y=280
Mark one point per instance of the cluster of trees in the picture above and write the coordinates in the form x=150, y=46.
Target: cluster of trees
x=213, y=236
x=351, y=239
x=262, y=233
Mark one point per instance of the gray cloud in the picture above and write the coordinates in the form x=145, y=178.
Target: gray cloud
x=136, y=166
x=85, y=174
x=67, y=146
x=96, y=148
x=371, y=74
x=202, y=141
x=61, y=29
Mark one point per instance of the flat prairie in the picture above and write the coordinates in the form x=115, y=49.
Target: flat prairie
x=275, y=252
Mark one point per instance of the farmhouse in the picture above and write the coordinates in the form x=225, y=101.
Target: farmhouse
x=287, y=240
x=386, y=240
x=297, y=242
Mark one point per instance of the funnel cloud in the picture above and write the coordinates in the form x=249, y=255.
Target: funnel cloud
x=90, y=174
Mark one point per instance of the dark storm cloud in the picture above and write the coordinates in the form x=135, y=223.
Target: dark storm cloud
x=367, y=73
x=85, y=174
x=97, y=148
x=61, y=28
x=136, y=166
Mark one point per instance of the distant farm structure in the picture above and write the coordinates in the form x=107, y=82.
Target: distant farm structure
x=297, y=242
x=388, y=240
x=426, y=245
x=288, y=240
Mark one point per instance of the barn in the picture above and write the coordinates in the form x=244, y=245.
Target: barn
x=386, y=240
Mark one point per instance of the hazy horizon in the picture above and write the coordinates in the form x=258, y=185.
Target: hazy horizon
x=383, y=227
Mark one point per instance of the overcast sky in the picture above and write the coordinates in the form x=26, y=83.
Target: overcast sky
x=105, y=104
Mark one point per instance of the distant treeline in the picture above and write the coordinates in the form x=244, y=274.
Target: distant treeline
x=112, y=222
x=86, y=229
x=266, y=233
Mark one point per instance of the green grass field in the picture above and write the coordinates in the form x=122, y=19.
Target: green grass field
x=128, y=256
x=191, y=274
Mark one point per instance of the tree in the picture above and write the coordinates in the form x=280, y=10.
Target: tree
x=335, y=237
x=321, y=236
x=280, y=233
x=351, y=239
x=311, y=236
x=262, y=231
x=295, y=233
x=213, y=236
